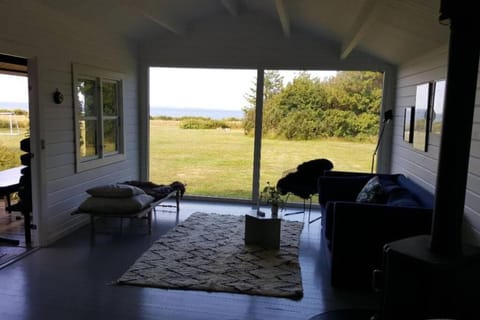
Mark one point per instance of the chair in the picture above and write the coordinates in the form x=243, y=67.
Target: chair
x=303, y=183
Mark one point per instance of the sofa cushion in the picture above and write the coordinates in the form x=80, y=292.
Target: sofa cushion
x=372, y=192
x=421, y=195
x=389, y=183
x=328, y=219
x=401, y=197
x=340, y=188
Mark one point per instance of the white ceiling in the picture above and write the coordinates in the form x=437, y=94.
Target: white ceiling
x=395, y=30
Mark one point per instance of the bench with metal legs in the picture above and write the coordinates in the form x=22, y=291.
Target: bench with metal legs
x=145, y=213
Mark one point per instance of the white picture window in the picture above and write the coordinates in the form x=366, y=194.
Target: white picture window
x=98, y=117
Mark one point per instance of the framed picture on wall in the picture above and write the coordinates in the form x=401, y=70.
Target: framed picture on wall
x=408, y=119
x=421, y=123
x=437, y=110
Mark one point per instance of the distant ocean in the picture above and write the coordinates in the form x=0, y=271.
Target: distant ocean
x=13, y=105
x=209, y=113
x=160, y=111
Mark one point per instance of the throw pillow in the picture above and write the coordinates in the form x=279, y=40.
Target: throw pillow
x=372, y=192
x=117, y=190
x=118, y=206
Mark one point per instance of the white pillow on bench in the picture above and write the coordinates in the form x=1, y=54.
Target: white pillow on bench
x=120, y=206
x=117, y=190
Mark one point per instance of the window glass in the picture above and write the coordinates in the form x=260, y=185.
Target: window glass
x=110, y=136
x=88, y=119
x=196, y=133
x=88, y=138
x=109, y=93
x=86, y=97
x=437, y=110
x=99, y=130
x=110, y=116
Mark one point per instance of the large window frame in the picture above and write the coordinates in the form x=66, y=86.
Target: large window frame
x=259, y=176
x=106, y=145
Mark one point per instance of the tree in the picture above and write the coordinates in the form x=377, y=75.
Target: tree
x=272, y=86
x=293, y=113
x=303, y=92
x=357, y=91
x=347, y=105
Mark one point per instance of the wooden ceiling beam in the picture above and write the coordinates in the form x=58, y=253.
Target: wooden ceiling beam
x=155, y=16
x=232, y=6
x=283, y=16
x=176, y=28
x=360, y=26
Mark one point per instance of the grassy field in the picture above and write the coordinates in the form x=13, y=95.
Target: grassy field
x=10, y=144
x=219, y=162
x=10, y=148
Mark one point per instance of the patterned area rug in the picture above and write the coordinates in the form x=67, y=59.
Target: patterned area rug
x=207, y=252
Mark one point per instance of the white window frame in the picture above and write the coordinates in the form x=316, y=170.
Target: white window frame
x=103, y=158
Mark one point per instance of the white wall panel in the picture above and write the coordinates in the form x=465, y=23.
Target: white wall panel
x=32, y=30
x=422, y=166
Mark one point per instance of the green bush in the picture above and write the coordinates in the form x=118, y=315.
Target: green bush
x=9, y=157
x=202, y=123
x=22, y=123
x=345, y=106
x=19, y=117
x=301, y=124
x=19, y=112
x=162, y=118
x=342, y=123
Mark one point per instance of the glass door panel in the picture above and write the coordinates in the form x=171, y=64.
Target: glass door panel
x=197, y=131
x=318, y=114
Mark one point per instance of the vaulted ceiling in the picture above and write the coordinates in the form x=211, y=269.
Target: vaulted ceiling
x=394, y=30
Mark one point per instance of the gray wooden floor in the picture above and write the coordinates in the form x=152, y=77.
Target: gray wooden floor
x=73, y=280
x=11, y=228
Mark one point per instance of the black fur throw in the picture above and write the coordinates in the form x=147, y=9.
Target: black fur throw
x=303, y=181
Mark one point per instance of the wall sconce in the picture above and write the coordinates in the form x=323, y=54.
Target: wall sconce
x=57, y=97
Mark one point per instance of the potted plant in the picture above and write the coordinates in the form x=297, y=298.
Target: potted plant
x=272, y=196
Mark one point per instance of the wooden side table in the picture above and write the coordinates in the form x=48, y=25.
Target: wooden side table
x=262, y=231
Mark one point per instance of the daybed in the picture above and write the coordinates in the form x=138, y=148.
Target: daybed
x=130, y=199
x=361, y=214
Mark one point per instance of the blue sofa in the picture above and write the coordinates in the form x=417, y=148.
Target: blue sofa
x=355, y=232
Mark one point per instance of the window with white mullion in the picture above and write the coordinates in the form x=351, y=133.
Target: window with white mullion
x=87, y=95
x=110, y=118
x=99, y=114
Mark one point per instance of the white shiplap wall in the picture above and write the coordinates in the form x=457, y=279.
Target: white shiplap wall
x=422, y=166
x=33, y=31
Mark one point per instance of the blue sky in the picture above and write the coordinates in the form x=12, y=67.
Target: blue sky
x=207, y=88
x=13, y=88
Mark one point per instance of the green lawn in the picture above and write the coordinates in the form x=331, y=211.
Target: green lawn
x=219, y=162
x=10, y=144
x=10, y=148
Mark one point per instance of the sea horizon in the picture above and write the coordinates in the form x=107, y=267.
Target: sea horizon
x=13, y=105
x=217, y=114
x=158, y=111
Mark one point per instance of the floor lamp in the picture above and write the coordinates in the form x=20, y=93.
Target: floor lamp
x=387, y=117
